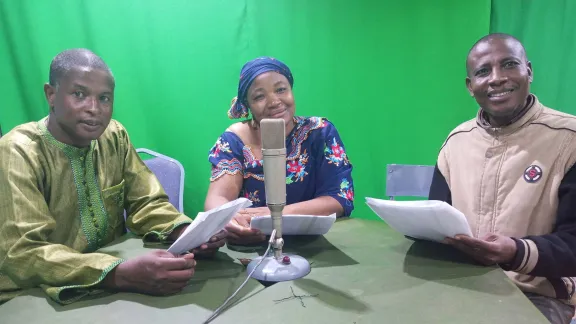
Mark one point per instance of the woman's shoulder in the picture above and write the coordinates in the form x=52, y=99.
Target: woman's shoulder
x=242, y=131
x=239, y=127
x=228, y=142
x=232, y=134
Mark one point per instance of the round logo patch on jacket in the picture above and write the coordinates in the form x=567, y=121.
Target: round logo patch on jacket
x=533, y=173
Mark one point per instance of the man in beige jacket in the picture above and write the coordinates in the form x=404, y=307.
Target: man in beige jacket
x=512, y=172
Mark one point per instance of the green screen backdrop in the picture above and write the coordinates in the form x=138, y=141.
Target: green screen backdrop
x=389, y=74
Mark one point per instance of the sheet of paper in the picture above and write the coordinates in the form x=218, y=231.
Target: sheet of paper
x=207, y=224
x=423, y=219
x=295, y=224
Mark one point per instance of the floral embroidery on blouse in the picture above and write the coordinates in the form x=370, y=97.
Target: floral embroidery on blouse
x=346, y=191
x=257, y=176
x=253, y=196
x=335, y=153
x=297, y=168
x=249, y=159
x=220, y=146
x=226, y=167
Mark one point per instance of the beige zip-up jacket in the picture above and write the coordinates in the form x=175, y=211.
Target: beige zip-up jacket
x=518, y=181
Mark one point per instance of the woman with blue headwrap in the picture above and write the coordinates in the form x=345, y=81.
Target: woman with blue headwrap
x=318, y=171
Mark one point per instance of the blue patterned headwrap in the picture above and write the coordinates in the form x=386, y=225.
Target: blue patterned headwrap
x=251, y=70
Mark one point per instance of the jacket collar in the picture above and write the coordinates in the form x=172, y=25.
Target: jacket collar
x=533, y=108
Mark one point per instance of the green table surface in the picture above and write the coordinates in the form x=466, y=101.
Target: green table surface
x=362, y=272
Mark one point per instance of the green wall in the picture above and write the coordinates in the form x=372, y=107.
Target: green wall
x=389, y=74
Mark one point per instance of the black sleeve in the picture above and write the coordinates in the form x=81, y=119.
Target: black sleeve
x=552, y=255
x=439, y=189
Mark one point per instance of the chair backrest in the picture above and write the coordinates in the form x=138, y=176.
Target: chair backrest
x=170, y=173
x=408, y=180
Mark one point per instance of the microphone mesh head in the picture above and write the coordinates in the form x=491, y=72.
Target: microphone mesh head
x=273, y=133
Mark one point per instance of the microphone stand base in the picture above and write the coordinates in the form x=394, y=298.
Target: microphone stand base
x=271, y=270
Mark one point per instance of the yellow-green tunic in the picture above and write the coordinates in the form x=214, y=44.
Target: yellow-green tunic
x=59, y=204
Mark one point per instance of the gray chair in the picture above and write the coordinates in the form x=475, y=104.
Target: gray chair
x=408, y=180
x=170, y=173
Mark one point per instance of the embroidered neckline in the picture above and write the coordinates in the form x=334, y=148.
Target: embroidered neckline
x=296, y=137
x=69, y=150
x=93, y=215
x=301, y=132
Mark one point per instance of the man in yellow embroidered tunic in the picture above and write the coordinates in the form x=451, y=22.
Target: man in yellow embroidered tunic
x=65, y=182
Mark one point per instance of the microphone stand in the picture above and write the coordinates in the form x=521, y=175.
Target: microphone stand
x=277, y=266
x=276, y=237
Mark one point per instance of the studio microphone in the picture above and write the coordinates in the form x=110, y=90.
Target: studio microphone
x=274, y=160
x=278, y=266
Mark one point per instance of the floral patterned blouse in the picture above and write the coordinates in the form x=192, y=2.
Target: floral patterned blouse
x=317, y=164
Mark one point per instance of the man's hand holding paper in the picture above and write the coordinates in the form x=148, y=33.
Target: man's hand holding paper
x=208, y=248
x=206, y=233
x=491, y=249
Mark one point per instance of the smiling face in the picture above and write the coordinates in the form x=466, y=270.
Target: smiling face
x=499, y=77
x=81, y=105
x=270, y=96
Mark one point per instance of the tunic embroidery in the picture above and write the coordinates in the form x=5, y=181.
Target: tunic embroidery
x=93, y=215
